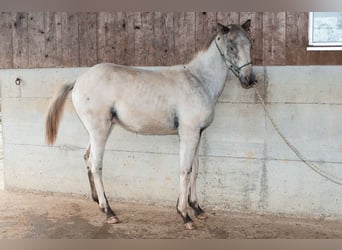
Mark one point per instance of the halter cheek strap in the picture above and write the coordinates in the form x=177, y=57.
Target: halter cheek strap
x=231, y=65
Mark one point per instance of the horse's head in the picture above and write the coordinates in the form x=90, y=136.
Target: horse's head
x=235, y=46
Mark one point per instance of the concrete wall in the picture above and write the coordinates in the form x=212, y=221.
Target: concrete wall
x=244, y=165
x=2, y=184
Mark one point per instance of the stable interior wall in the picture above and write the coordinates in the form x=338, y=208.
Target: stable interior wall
x=244, y=164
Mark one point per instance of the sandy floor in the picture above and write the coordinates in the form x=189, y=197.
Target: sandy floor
x=56, y=216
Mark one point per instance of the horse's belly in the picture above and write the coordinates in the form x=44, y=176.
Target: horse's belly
x=150, y=123
x=148, y=128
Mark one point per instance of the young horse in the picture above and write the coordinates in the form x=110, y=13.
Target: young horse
x=165, y=100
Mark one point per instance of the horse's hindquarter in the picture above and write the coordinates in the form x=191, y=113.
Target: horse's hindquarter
x=145, y=101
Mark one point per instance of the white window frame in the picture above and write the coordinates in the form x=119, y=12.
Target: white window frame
x=321, y=46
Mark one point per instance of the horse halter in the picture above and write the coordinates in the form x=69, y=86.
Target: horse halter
x=231, y=65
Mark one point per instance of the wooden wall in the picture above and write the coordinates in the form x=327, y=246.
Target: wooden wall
x=60, y=39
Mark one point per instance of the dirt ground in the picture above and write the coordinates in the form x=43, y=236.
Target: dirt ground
x=27, y=215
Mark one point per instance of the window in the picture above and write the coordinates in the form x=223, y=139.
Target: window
x=325, y=31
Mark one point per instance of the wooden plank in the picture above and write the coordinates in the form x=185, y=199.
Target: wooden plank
x=124, y=38
x=43, y=42
x=274, y=30
x=226, y=18
x=6, y=48
x=69, y=39
x=59, y=40
x=206, y=25
x=20, y=40
x=52, y=41
x=184, y=36
x=255, y=34
x=105, y=37
x=87, y=28
x=312, y=57
x=316, y=57
x=143, y=32
x=296, y=38
x=36, y=31
x=331, y=58
x=164, y=41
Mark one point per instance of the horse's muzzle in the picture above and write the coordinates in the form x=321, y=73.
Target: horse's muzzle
x=248, y=81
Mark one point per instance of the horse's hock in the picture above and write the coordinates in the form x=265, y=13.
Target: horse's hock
x=244, y=164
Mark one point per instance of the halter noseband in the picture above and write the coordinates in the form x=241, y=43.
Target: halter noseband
x=233, y=67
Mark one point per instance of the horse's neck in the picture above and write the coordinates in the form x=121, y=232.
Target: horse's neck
x=210, y=68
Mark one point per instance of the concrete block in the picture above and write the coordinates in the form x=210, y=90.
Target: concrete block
x=313, y=129
x=230, y=183
x=237, y=131
x=223, y=182
x=37, y=83
x=241, y=124
x=2, y=175
x=304, y=84
x=44, y=168
x=295, y=189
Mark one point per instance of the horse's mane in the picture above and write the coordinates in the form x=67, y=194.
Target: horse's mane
x=232, y=27
x=206, y=45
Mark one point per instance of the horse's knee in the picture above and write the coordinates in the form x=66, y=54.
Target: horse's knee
x=186, y=174
x=194, y=175
x=97, y=171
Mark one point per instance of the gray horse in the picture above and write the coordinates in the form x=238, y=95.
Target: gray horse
x=177, y=99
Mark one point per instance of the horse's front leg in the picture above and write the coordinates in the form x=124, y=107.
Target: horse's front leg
x=189, y=140
x=193, y=201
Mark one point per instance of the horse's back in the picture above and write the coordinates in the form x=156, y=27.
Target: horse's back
x=146, y=100
x=137, y=99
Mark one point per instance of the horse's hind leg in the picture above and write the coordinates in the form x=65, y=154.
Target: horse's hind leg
x=87, y=161
x=98, y=138
x=192, y=199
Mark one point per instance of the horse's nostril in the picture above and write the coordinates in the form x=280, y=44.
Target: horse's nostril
x=251, y=79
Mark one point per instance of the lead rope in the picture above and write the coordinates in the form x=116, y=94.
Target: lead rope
x=310, y=164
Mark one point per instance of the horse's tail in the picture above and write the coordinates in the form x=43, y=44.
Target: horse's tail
x=55, y=112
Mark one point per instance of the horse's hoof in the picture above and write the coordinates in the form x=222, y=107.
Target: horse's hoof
x=202, y=216
x=189, y=226
x=113, y=220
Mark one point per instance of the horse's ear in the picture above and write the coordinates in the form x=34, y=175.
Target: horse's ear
x=223, y=29
x=247, y=25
